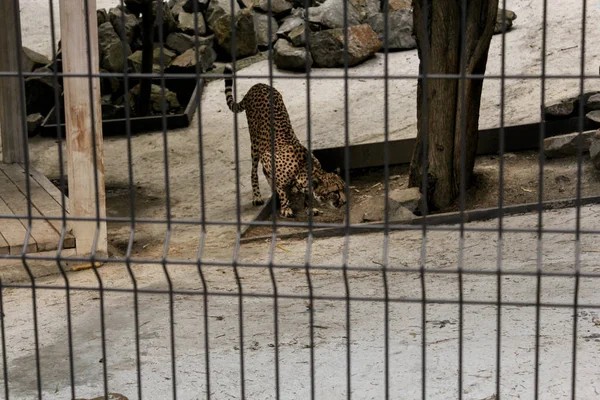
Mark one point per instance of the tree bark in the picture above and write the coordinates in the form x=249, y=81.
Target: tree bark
x=439, y=44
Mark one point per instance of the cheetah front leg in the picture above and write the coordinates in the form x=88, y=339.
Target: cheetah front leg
x=313, y=211
x=256, y=197
x=302, y=183
x=286, y=211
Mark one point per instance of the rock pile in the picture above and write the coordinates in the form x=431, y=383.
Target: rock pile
x=569, y=107
x=196, y=33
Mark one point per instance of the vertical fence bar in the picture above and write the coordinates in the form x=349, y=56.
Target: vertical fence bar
x=63, y=202
x=22, y=118
x=238, y=212
x=309, y=239
x=502, y=145
x=540, y=221
x=347, y=206
x=423, y=72
x=199, y=263
x=386, y=174
x=3, y=341
x=577, y=264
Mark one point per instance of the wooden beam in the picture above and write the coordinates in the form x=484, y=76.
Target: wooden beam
x=87, y=196
x=11, y=109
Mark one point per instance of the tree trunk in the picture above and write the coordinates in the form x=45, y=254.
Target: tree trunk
x=439, y=42
x=143, y=101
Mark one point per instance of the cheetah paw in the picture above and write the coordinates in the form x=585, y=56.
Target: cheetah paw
x=287, y=213
x=315, y=211
x=258, y=201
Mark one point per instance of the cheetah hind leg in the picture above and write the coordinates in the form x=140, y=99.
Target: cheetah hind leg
x=256, y=197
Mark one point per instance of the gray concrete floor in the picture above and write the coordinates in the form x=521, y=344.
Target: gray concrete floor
x=479, y=329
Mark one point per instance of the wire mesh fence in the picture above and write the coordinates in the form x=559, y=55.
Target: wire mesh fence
x=125, y=267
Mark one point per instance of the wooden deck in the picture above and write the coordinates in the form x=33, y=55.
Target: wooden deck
x=45, y=201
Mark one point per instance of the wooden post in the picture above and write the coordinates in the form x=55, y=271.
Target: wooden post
x=78, y=120
x=11, y=110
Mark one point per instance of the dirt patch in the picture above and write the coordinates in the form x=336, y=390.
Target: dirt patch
x=521, y=185
x=118, y=205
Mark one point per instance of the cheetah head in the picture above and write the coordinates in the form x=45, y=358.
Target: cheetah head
x=329, y=189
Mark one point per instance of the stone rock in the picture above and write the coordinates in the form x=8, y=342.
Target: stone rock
x=130, y=27
x=111, y=49
x=561, y=109
x=327, y=47
x=409, y=198
x=201, y=5
x=593, y=103
x=278, y=7
x=248, y=61
x=34, y=121
x=39, y=94
x=180, y=42
x=101, y=16
x=510, y=17
x=246, y=43
x=594, y=116
x=566, y=145
x=289, y=57
x=156, y=98
x=261, y=25
x=394, y=5
x=290, y=22
x=367, y=8
x=176, y=7
x=373, y=210
x=330, y=14
x=298, y=36
x=400, y=24
x=187, y=61
x=219, y=8
x=186, y=23
x=135, y=60
x=167, y=55
x=32, y=59
x=595, y=149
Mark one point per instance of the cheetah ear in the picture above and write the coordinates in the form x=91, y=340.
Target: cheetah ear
x=337, y=171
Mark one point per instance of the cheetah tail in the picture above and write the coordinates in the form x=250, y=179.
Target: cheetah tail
x=233, y=106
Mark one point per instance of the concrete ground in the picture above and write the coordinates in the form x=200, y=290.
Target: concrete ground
x=366, y=326
x=218, y=195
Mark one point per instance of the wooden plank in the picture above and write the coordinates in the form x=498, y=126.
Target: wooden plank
x=40, y=199
x=49, y=187
x=84, y=139
x=516, y=138
x=450, y=218
x=43, y=233
x=11, y=109
x=13, y=230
